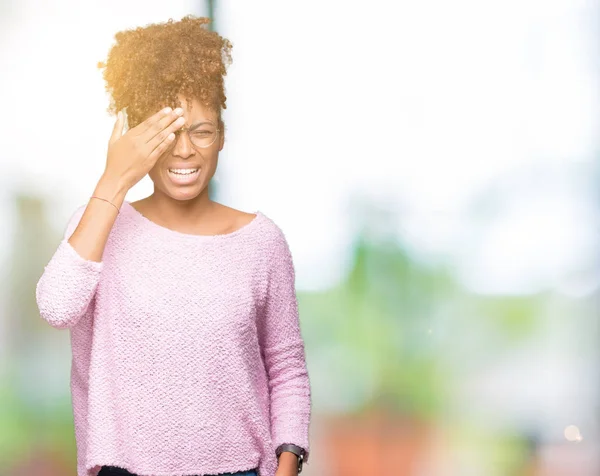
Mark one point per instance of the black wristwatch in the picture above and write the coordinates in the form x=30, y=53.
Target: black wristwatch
x=297, y=450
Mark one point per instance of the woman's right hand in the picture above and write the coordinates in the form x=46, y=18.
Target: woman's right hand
x=133, y=154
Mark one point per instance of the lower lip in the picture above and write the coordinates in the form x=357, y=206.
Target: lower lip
x=181, y=179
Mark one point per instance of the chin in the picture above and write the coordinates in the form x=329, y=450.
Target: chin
x=184, y=194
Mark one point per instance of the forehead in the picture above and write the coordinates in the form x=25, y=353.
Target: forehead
x=194, y=110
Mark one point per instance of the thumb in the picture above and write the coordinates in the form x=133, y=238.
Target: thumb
x=118, y=128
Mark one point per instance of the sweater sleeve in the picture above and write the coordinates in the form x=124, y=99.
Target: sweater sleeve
x=68, y=282
x=282, y=348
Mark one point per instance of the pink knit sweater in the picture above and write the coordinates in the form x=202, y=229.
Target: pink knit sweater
x=187, y=353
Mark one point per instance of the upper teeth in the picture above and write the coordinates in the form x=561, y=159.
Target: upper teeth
x=183, y=171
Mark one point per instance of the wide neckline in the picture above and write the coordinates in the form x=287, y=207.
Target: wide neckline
x=190, y=236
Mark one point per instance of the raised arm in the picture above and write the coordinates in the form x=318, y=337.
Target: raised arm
x=69, y=281
x=282, y=347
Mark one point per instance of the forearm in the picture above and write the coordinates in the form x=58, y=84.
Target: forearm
x=90, y=237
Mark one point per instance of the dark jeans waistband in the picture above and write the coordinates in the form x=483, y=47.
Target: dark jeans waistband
x=116, y=471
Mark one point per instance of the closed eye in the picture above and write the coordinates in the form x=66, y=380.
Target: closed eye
x=202, y=133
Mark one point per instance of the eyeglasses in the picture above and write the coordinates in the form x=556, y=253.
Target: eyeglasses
x=201, y=135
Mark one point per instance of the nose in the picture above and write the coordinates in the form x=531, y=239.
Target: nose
x=183, y=146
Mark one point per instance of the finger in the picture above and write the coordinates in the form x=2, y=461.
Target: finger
x=162, y=124
x=117, y=128
x=164, y=134
x=162, y=147
x=143, y=126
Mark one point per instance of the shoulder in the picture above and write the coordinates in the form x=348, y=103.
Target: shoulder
x=231, y=219
x=273, y=243
x=268, y=231
x=241, y=218
x=271, y=232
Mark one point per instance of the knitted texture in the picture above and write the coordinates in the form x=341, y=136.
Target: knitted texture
x=187, y=352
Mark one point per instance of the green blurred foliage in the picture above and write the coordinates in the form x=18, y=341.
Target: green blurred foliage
x=380, y=339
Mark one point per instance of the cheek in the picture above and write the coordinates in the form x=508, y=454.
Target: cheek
x=209, y=157
x=213, y=157
x=161, y=162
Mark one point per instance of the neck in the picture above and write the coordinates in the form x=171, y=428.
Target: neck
x=174, y=212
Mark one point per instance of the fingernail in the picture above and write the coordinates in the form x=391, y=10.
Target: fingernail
x=167, y=110
x=179, y=111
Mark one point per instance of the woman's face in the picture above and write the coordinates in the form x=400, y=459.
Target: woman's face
x=171, y=174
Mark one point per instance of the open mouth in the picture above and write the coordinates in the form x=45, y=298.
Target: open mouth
x=183, y=176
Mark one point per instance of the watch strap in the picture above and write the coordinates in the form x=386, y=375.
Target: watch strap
x=297, y=450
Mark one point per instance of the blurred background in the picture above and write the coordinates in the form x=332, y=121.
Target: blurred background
x=435, y=167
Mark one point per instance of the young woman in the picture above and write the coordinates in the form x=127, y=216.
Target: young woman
x=187, y=355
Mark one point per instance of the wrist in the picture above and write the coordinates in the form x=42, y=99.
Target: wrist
x=291, y=454
x=288, y=461
x=288, y=456
x=111, y=189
